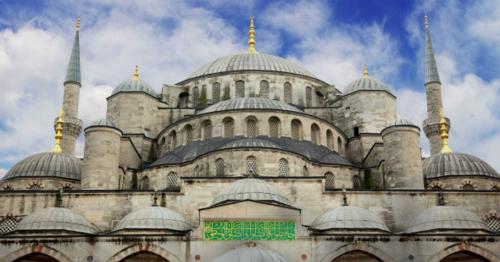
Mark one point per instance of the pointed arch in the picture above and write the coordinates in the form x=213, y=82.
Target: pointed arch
x=464, y=247
x=143, y=247
x=365, y=248
x=228, y=123
x=37, y=249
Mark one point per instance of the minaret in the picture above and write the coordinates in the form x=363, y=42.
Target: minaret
x=72, y=124
x=433, y=93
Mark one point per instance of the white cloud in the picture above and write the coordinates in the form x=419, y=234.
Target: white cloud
x=3, y=171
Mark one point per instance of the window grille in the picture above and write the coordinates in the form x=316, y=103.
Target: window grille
x=216, y=92
x=219, y=167
x=329, y=139
x=296, y=130
x=329, y=181
x=264, y=89
x=8, y=224
x=196, y=96
x=493, y=223
x=283, y=167
x=356, y=182
x=251, y=128
x=188, y=132
x=274, y=127
x=315, y=134
x=240, y=88
x=228, y=127
x=251, y=165
x=173, y=180
x=288, y=92
x=207, y=130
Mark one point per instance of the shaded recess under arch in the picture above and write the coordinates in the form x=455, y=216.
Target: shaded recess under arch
x=146, y=248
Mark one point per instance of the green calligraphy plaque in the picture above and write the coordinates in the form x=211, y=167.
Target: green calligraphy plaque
x=249, y=230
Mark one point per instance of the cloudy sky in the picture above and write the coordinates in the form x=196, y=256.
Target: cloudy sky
x=170, y=39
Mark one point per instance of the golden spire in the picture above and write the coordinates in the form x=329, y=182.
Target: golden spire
x=251, y=34
x=78, y=24
x=443, y=128
x=365, y=72
x=136, y=73
x=59, y=136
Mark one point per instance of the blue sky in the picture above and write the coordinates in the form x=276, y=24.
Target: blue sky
x=170, y=39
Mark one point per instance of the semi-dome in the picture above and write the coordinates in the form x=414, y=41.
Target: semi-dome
x=348, y=218
x=249, y=62
x=56, y=219
x=446, y=218
x=251, y=189
x=366, y=83
x=48, y=164
x=251, y=254
x=249, y=103
x=153, y=218
x=456, y=164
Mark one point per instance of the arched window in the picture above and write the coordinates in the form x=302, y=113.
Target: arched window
x=329, y=139
x=228, y=123
x=35, y=186
x=305, y=171
x=357, y=255
x=251, y=127
x=283, y=167
x=308, y=96
x=173, y=181
x=296, y=129
x=172, y=139
x=216, y=92
x=319, y=98
x=206, y=129
x=251, y=165
x=196, y=97
x=264, y=89
x=240, y=88
x=219, y=167
x=145, y=182
x=356, y=131
x=464, y=256
x=329, y=181
x=183, y=100
x=468, y=187
x=188, y=134
x=274, y=127
x=162, y=143
x=339, y=144
x=287, y=89
x=356, y=182
x=315, y=136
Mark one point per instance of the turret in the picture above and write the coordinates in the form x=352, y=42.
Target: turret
x=72, y=84
x=101, y=156
x=403, y=161
x=433, y=95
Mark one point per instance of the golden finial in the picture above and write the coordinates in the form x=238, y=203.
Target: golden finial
x=426, y=21
x=59, y=136
x=365, y=72
x=251, y=34
x=443, y=128
x=136, y=73
x=78, y=24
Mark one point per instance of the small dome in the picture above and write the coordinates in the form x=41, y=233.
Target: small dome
x=135, y=86
x=49, y=164
x=446, y=218
x=251, y=254
x=249, y=103
x=250, y=62
x=366, y=83
x=56, y=218
x=349, y=218
x=103, y=122
x=456, y=164
x=153, y=218
x=251, y=189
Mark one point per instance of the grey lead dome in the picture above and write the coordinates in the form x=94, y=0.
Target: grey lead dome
x=456, y=164
x=135, y=86
x=58, y=219
x=47, y=164
x=251, y=189
x=366, y=83
x=156, y=218
x=250, y=62
x=249, y=103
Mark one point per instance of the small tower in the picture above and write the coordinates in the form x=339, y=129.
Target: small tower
x=102, y=156
x=403, y=161
x=72, y=84
x=433, y=95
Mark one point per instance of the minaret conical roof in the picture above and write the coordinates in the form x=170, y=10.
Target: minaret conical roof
x=73, y=72
x=431, y=71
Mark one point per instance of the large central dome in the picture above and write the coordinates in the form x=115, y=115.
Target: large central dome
x=250, y=62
